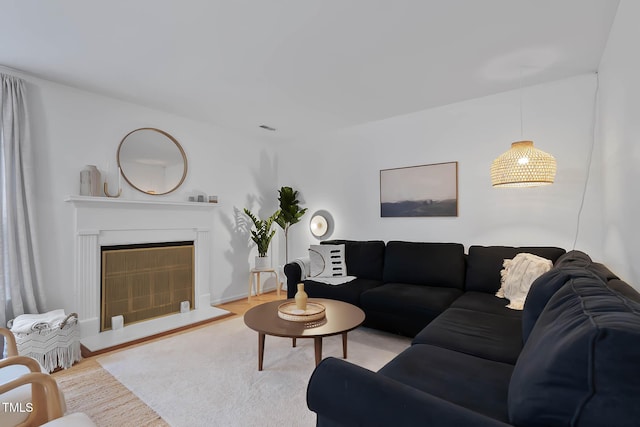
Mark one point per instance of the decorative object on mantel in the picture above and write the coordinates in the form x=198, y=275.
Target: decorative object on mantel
x=523, y=165
x=262, y=235
x=321, y=225
x=90, y=181
x=289, y=214
x=198, y=196
x=106, y=186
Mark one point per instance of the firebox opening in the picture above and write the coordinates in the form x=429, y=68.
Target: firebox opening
x=144, y=281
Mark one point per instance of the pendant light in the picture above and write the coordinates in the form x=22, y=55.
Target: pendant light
x=523, y=165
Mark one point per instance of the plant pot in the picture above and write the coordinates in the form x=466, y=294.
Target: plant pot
x=262, y=263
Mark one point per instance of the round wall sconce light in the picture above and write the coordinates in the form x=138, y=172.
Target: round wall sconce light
x=321, y=224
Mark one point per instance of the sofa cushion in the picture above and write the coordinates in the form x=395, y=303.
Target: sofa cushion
x=579, y=259
x=404, y=308
x=348, y=292
x=484, y=264
x=543, y=289
x=485, y=335
x=624, y=289
x=579, y=365
x=573, y=258
x=364, y=259
x=572, y=264
x=472, y=382
x=487, y=303
x=432, y=264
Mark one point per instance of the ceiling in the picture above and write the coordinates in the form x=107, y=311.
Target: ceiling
x=302, y=66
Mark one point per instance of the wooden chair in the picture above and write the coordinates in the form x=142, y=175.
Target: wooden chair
x=24, y=404
x=46, y=408
x=11, y=368
x=10, y=342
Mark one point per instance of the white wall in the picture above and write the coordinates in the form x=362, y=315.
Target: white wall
x=72, y=128
x=618, y=136
x=340, y=172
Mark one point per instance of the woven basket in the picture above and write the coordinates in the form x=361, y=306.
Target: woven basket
x=53, y=348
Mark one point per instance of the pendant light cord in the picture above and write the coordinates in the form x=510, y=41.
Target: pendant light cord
x=521, y=108
x=590, y=158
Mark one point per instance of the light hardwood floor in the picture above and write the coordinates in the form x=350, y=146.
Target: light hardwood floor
x=237, y=308
x=241, y=306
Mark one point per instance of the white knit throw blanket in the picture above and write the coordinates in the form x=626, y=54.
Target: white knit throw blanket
x=26, y=323
x=305, y=267
x=518, y=275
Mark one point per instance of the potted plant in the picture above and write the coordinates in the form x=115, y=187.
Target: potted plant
x=262, y=235
x=289, y=213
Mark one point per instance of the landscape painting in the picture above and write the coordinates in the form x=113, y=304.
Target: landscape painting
x=416, y=191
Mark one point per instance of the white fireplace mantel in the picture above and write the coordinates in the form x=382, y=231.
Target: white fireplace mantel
x=113, y=201
x=102, y=221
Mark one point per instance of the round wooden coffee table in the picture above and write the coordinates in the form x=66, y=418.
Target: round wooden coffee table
x=340, y=318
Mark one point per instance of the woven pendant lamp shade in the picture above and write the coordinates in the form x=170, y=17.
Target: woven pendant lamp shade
x=523, y=166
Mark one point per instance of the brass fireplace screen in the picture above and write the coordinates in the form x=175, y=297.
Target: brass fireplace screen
x=145, y=281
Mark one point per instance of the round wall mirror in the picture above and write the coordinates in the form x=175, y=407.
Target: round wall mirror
x=152, y=161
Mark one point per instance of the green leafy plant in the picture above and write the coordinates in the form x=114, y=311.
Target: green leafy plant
x=289, y=213
x=262, y=232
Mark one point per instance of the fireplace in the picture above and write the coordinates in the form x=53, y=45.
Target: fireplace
x=111, y=222
x=145, y=281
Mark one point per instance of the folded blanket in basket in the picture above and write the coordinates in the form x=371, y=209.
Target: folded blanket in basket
x=27, y=323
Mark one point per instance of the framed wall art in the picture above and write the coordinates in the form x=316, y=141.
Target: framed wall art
x=415, y=191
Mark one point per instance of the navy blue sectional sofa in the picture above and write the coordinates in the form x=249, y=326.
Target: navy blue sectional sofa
x=570, y=357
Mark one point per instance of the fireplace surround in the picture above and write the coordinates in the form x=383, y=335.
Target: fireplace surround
x=101, y=221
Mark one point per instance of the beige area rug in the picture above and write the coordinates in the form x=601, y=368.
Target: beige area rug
x=90, y=389
x=210, y=377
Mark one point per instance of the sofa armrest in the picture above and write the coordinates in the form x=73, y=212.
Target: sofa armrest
x=344, y=394
x=294, y=275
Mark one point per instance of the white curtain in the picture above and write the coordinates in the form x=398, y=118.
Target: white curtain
x=19, y=284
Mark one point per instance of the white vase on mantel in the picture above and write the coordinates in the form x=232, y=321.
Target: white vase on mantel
x=262, y=262
x=90, y=181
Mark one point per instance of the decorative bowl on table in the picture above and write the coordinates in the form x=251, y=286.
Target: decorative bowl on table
x=289, y=311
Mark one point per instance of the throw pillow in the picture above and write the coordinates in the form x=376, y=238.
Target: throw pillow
x=518, y=275
x=327, y=261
